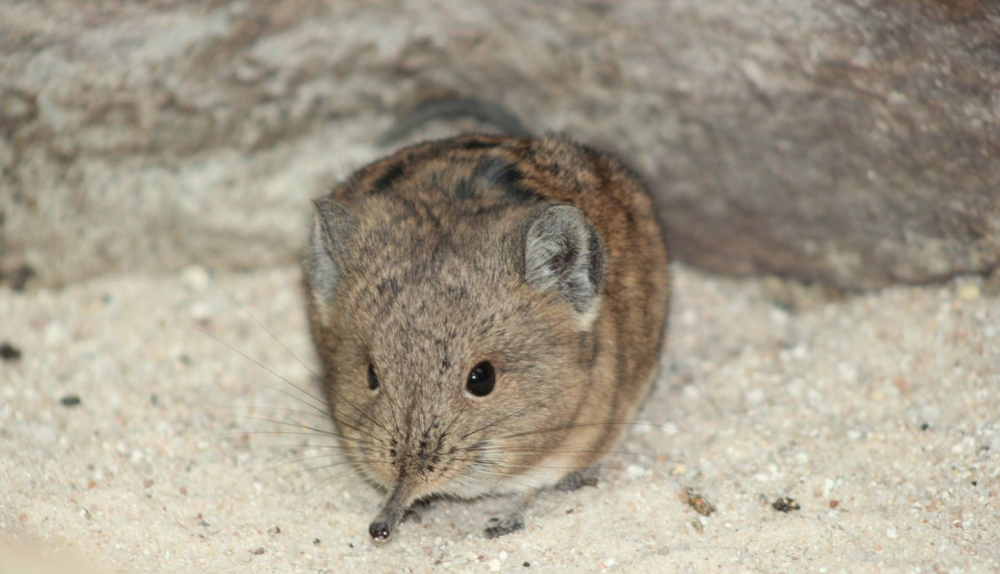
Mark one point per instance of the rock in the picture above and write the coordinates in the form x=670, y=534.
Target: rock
x=9, y=352
x=851, y=145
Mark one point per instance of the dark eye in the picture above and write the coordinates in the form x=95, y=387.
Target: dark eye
x=481, y=380
x=372, y=378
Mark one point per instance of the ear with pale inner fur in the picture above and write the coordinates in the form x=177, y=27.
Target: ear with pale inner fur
x=562, y=251
x=331, y=226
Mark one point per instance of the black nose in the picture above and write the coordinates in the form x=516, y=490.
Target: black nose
x=379, y=530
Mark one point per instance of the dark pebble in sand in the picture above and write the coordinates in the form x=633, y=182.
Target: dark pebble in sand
x=70, y=400
x=18, y=278
x=697, y=501
x=785, y=504
x=9, y=352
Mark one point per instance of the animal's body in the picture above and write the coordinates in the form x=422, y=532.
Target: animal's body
x=489, y=312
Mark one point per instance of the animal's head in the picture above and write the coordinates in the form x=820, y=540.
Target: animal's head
x=455, y=339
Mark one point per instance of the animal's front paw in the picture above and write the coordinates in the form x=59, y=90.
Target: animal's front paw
x=578, y=479
x=413, y=514
x=504, y=526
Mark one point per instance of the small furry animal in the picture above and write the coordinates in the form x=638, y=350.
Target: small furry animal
x=489, y=311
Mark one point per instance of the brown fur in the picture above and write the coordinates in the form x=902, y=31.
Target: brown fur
x=430, y=281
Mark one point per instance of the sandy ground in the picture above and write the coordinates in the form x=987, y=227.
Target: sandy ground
x=878, y=415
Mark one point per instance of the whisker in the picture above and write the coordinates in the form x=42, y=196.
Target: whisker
x=282, y=391
x=286, y=463
x=538, y=490
x=261, y=365
x=515, y=413
x=312, y=446
x=454, y=419
x=610, y=454
x=666, y=426
x=324, y=416
x=498, y=450
x=507, y=465
x=526, y=449
x=241, y=433
x=293, y=385
x=331, y=433
x=324, y=482
x=268, y=331
x=298, y=425
x=315, y=468
x=640, y=463
x=397, y=404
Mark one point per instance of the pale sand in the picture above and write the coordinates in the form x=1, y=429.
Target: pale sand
x=884, y=406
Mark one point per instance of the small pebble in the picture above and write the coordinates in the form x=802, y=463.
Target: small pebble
x=828, y=485
x=503, y=555
x=45, y=435
x=201, y=311
x=9, y=352
x=495, y=565
x=70, y=400
x=18, y=278
x=195, y=278
x=55, y=334
x=634, y=471
x=891, y=533
x=610, y=562
x=969, y=292
x=697, y=501
x=785, y=504
x=526, y=564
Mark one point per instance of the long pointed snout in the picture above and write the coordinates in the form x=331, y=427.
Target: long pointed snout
x=392, y=511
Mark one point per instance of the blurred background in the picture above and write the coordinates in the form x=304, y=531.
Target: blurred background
x=851, y=143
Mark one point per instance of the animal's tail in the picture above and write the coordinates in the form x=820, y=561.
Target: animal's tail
x=454, y=107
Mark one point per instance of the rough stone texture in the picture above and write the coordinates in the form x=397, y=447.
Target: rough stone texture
x=853, y=142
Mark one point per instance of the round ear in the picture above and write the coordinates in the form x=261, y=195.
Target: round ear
x=563, y=252
x=332, y=224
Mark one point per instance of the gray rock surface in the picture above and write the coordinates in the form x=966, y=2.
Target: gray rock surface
x=854, y=142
